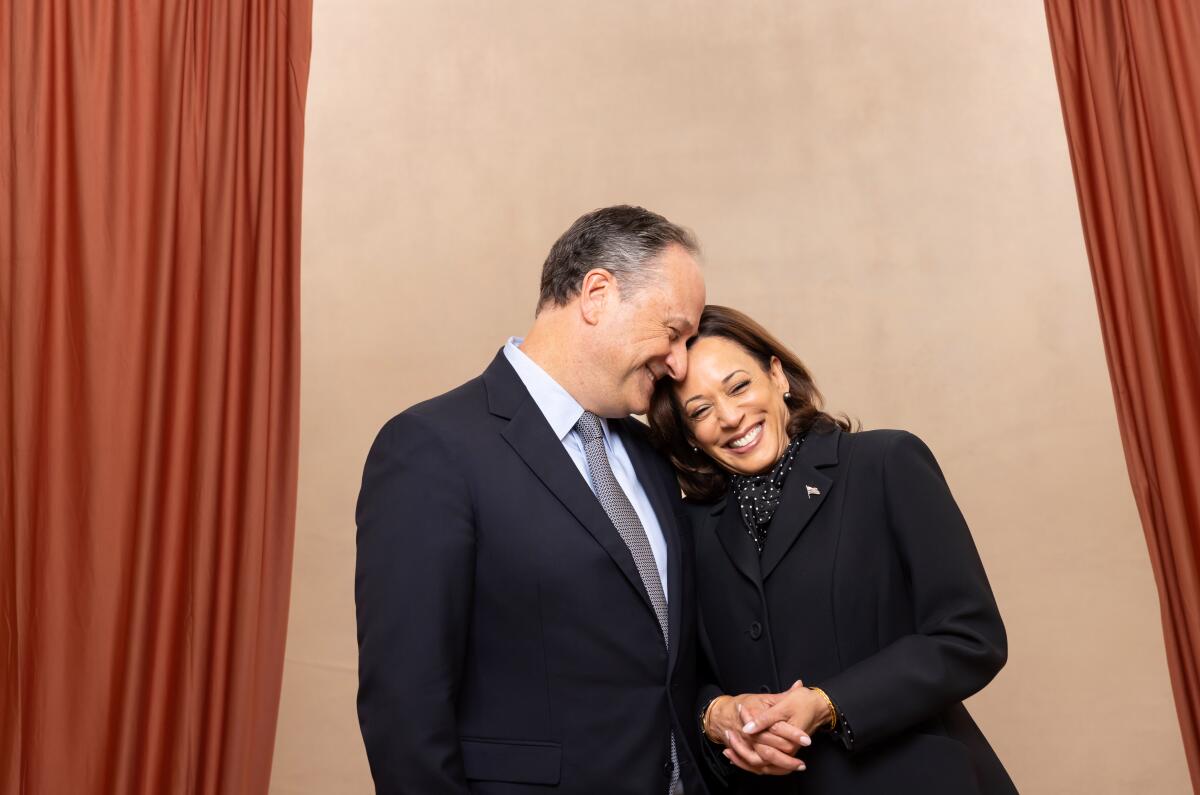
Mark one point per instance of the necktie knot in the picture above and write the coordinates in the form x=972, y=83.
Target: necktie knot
x=589, y=428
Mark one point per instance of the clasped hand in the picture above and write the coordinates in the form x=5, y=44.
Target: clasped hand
x=762, y=732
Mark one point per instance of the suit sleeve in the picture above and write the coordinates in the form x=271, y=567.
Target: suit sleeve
x=959, y=644
x=412, y=593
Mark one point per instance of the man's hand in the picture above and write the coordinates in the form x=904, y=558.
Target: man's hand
x=766, y=752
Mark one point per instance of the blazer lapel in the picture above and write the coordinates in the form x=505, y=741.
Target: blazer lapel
x=641, y=456
x=531, y=437
x=736, y=540
x=804, y=492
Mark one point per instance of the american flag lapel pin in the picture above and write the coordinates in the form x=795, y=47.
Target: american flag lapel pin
x=813, y=490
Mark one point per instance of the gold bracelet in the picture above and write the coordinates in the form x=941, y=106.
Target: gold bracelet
x=832, y=708
x=707, y=710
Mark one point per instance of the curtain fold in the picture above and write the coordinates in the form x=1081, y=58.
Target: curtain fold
x=1129, y=79
x=150, y=167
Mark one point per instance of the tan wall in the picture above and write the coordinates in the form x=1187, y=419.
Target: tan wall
x=884, y=184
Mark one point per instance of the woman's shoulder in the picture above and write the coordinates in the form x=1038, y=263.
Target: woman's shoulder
x=883, y=443
x=697, y=511
x=879, y=437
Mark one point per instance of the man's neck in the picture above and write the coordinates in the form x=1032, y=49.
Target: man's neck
x=548, y=345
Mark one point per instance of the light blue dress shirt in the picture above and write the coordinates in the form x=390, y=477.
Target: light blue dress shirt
x=562, y=412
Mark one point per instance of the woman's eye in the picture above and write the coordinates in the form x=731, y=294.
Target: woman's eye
x=739, y=388
x=698, y=413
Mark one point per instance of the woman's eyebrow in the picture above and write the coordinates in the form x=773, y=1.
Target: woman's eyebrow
x=724, y=380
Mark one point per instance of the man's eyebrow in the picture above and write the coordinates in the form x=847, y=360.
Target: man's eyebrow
x=724, y=380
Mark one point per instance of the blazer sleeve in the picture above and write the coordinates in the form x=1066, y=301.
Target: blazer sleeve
x=412, y=593
x=959, y=644
x=695, y=515
x=720, y=767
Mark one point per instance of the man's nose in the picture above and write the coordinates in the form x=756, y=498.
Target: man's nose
x=677, y=361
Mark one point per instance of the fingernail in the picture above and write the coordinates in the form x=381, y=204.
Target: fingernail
x=802, y=766
x=727, y=735
x=748, y=728
x=806, y=740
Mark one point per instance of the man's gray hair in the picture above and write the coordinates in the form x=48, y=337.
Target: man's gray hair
x=623, y=240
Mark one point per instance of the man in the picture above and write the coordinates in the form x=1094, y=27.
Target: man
x=523, y=586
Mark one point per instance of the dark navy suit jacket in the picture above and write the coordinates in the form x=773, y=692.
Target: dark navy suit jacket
x=506, y=642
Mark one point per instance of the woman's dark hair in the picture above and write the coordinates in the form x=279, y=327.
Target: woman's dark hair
x=700, y=477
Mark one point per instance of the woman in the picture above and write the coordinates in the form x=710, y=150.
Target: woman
x=833, y=560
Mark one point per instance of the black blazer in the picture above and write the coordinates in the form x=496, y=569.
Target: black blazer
x=868, y=586
x=506, y=642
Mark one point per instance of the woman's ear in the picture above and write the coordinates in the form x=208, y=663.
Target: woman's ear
x=777, y=375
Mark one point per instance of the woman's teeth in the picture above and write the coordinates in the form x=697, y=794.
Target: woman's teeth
x=750, y=437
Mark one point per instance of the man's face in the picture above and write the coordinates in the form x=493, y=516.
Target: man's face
x=646, y=334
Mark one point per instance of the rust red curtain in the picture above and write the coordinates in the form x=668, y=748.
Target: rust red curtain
x=1129, y=78
x=150, y=163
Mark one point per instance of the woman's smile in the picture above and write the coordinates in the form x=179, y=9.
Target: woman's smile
x=747, y=441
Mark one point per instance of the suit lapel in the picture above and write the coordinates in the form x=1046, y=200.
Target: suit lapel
x=804, y=491
x=534, y=441
x=656, y=490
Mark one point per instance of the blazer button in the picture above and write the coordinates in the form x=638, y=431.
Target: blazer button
x=764, y=688
x=667, y=769
x=755, y=631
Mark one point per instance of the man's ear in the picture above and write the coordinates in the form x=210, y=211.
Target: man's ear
x=597, y=293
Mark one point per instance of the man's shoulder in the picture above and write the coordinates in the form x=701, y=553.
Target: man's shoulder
x=452, y=406
x=448, y=416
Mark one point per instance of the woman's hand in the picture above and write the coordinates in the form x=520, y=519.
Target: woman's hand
x=768, y=752
x=800, y=707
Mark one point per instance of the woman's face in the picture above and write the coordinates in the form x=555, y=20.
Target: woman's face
x=733, y=409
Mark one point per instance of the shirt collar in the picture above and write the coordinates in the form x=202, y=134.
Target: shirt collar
x=560, y=409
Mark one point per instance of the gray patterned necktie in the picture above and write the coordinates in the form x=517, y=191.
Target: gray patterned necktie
x=620, y=511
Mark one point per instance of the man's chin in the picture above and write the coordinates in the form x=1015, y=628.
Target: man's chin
x=638, y=393
x=640, y=404
x=629, y=402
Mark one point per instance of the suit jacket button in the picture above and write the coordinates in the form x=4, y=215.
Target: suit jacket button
x=667, y=768
x=764, y=688
x=755, y=630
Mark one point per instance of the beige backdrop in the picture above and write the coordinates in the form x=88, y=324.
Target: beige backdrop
x=884, y=184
